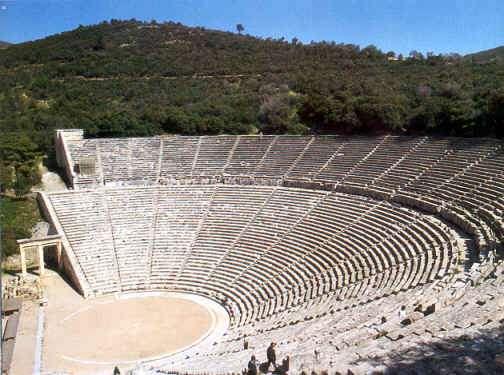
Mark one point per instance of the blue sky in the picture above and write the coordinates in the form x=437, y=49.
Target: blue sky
x=440, y=26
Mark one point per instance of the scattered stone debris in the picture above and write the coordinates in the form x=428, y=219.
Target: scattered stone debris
x=27, y=288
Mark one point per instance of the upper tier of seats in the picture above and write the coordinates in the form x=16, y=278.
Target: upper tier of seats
x=460, y=179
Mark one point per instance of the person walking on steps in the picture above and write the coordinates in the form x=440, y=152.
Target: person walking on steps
x=271, y=355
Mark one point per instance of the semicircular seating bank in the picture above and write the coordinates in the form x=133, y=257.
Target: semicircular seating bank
x=303, y=240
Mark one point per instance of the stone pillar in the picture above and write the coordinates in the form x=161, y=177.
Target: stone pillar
x=23, y=260
x=58, y=255
x=41, y=259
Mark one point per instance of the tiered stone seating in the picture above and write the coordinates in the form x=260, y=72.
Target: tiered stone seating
x=303, y=240
x=452, y=182
x=144, y=160
x=281, y=156
x=219, y=234
x=178, y=157
x=422, y=172
x=381, y=328
x=178, y=215
x=347, y=157
x=319, y=152
x=80, y=151
x=387, y=155
x=264, y=249
x=415, y=163
x=213, y=154
x=131, y=216
x=248, y=154
x=87, y=227
x=462, y=156
x=115, y=157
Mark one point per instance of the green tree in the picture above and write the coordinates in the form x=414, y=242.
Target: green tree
x=17, y=148
x=278, y=112
x=7, y=174
x=496, y=112
x=26, y=177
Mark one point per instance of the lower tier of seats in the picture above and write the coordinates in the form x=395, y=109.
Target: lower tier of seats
x=260, y=251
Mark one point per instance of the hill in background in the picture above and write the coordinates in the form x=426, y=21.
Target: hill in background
x=130, y=78
x=4, y=45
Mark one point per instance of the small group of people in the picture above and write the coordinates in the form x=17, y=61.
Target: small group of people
x=253, y=364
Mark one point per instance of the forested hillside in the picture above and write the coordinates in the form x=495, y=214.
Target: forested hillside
x=125, y=78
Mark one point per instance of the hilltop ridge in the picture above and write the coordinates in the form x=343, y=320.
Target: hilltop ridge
x=494, y=55
x=137, y=49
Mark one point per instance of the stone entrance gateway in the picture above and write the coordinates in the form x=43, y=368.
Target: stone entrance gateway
x=40, y=244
